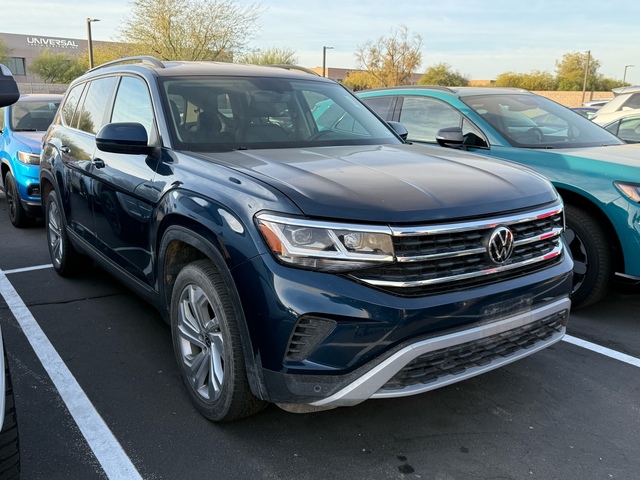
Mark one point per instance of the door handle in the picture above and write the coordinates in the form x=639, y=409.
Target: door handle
x=65, y=149
x=98, y=163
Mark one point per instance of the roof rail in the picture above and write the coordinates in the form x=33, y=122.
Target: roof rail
x=416, y=87
x=149, y=60
x=294, y=67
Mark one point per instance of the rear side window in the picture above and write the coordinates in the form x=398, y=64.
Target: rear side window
x=71, y=103
x=91, y=115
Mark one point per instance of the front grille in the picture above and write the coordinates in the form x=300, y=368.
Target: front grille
x=433, y=366
x=437, y=258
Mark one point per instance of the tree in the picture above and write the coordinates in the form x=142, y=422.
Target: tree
x=190, y=29
x=441, y=74
x=360, y=80
x=56, y=67
x=391, y=60
x=270, y=56
x=536, y=80
x=5, y=51
x=570, y=71
x=106, y=52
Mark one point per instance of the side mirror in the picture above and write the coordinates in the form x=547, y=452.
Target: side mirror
x=450, y=137
x=9, y=93
x=130, y=138
x=399, y=129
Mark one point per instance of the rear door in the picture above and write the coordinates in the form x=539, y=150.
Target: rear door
x=82, y=115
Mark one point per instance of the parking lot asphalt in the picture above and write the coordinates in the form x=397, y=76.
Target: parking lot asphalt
x=99, y=396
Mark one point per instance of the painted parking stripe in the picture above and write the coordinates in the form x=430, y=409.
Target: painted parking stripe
x=28, y=269
x=108, y=451
x=623, y=357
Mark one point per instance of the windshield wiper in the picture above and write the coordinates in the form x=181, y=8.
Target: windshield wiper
x=25, y=130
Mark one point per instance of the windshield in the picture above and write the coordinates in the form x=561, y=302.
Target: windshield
x=33, y=116
x=532, y=121
x=223, y=113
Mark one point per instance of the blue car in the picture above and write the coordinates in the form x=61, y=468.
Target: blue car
x=22, y=126
x=596, y=174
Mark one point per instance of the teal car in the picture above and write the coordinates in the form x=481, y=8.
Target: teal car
x=597, y=174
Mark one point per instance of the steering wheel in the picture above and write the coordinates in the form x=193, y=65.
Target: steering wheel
x=536, y=133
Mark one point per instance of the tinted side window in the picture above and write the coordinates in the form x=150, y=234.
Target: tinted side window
x=423, y=117
x=133, y=104
x=71, y=103
x=91, y=116
x=381, y=105
x=629, y=130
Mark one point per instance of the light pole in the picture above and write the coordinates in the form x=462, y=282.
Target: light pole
x=586, y=74
x=89, y=43
x=624, y=77
x=324, y=60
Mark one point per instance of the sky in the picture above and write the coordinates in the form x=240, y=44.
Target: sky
x=477, y=38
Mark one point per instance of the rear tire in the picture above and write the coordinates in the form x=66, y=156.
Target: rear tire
x=208, y=345
x=592, y=256
x=65, y=258
x=9, y=441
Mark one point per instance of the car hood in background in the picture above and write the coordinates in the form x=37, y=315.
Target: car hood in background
x=393, y=184
x=627, y=155
x=32, y=140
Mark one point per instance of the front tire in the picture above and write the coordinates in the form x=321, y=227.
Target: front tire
x=17, y=214
x=592, y=257
x=208, y=345
x=65, y=258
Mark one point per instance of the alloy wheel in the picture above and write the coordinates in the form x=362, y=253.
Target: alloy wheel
x=54, y=232
x=201, y=344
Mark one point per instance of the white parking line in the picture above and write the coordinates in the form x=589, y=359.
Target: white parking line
x=105, y=446
x=108, y=451
x=623, y=357
x=28, y=269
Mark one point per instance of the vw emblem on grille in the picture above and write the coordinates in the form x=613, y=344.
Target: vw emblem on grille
x=500, y=245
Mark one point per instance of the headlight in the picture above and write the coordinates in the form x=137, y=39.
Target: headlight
x=325, y=246
x=28, y=158
x=629, y=190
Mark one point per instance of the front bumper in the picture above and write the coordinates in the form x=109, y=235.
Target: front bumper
x=456, y=356
x=376, y=336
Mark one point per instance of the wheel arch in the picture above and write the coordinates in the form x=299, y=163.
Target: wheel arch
x=572, y=198
x=182, y=241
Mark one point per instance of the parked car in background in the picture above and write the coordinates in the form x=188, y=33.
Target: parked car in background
x=587, y=112
x=302, y=253
x=596, y=174
x=596, y=103
x=626, y=98
x=22, y=126
x=9, y=438
x=624, y=124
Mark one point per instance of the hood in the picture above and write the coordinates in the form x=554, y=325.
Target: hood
x=393, y=184
x=626, y=154
x=32, y=140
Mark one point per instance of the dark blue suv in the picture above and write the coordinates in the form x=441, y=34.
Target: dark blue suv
x=302, y=259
